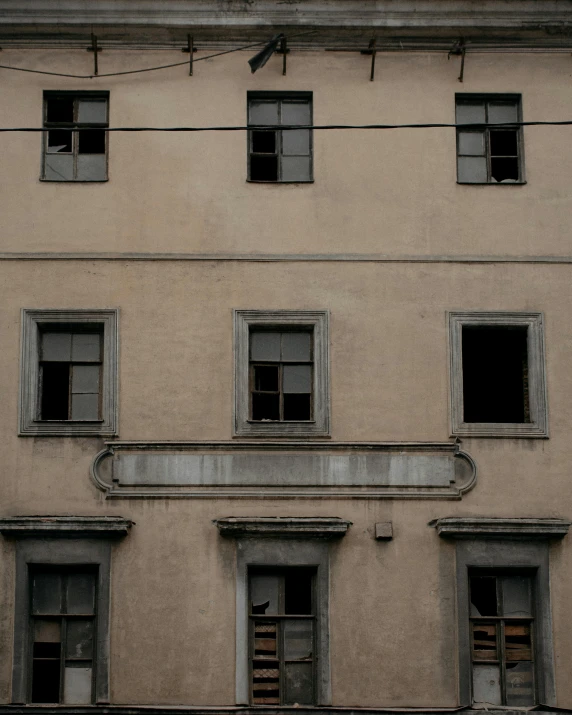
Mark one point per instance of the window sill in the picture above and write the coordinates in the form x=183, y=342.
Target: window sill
x=74, y=181
x=259, y=181
x=491, y=183
x=500, y=429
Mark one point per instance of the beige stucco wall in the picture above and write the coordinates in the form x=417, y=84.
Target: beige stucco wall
x=392, y=604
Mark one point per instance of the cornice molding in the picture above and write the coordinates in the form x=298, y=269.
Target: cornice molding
x=469, y=527
x=324, y=527
x=105, y=527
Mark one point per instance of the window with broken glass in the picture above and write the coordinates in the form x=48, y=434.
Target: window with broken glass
x=282, y=636
x=502, y=638
x=70, y=370
x=281, y=375
x=62, y=634
x=489, y=155
x=71, y=155
x=280, y=155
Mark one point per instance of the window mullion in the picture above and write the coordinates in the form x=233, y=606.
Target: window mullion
x=63, y=638
x=279, y=141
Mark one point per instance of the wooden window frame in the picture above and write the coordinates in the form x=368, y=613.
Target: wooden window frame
x=486, y=99
x=538, y=425
x=33, y=323
x=306, y=97
x=282, y=320
x=76, y=96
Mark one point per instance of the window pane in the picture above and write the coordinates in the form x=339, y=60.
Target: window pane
x=46, y=681
x=485, y=641
x=263, y=142
x=58, y=167
x=79, y=639
x=92, y=167
x=264, y=590
x=504, y=170
x=59, y=140
x=472, y=170
x=81, y=593
x=295, y=168
x=264, y=347
x=470, y=113
x=262, y=112
x=297, y=407
x=85, y=407
x=296, y=141
x=298, y=592
x=486, y=684
x=46, y=593
x=297, y=378
x=519, y=684
x=265, y=407
x=503, y=143
x=77, y=685
x=296, y=113
x=86, y=347
x=503, y=112
x=85, y=378
x=298, y=640
x=472, y=143
x=59, y=109
x=92, y=111
x=516, y=596
x=484, y=596
x=263, y=168
x=296, y=347
x=298, y=684
x=56, y=347
x=91, y=141
x=47, y=631
x=266, y=378
x=55, y=384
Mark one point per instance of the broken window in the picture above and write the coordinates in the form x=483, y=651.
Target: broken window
x=62, y=624
x=489, y=155
x=71, y=155
x=282, y=636
x=495, y=373
x=280, y=155
x=502, y=638
x=70, y=374
x=281, y=375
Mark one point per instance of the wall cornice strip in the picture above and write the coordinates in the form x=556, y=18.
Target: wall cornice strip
x=284, y=527
x=79, y=526
x=279, y=258
x=501, y=528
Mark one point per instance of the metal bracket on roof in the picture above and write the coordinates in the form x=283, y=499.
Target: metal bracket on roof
x=283, y=50
x=457, y=50
x=371, y=50
x=191, y=49
x=95, y=49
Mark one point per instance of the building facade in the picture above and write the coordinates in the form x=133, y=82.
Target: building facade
x=286, y=391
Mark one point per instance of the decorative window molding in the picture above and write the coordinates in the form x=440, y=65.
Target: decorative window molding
x=469, y=527
x=37, y=322
x=294, y=527
x=315, y=322
x=49, y=551
x=534, y=422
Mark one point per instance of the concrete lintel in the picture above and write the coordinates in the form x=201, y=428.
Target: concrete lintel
x=285, y=527
x=106, y=527
x=501, y=528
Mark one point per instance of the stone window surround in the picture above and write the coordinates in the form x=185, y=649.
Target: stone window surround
x=32, y=319
x=538, y=427
x=244, y=320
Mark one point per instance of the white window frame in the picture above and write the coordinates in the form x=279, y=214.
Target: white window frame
x=317, y=321
x=538, y=426
x=33, y=321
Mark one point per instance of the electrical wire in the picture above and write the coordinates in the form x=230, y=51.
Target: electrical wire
x=150, y=69
x=271, y=127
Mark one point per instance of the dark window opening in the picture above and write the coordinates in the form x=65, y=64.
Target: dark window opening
x=265, y=407
x=59, y=140
x=495, y=374
x=297, y=407
x=92, y=142
x=60, y=109
x=484, y=595
x=263, y=142
x=504, y=168
x=55, y=385
x=263, y=168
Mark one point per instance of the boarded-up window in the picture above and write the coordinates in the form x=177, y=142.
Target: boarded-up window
x=282, y=636
x=489, y=154
x=75, y=143
x=279, y=155
x=281, y=375
x=62, y=623
x=70, y=375
x=502, y=638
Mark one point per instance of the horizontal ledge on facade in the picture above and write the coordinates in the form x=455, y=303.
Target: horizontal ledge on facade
x=501, y=528
x=106, y=527
x=310, y=444
x=259, y=710
x=293, y=527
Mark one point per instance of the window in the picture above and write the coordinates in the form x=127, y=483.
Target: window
x=282, y=636
x=280, y=155
x=75, y=155
x=281, y=362
x=489, y=155
x=497, y=374
x=502, y=636
x=62, y=624
x=69, y=372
